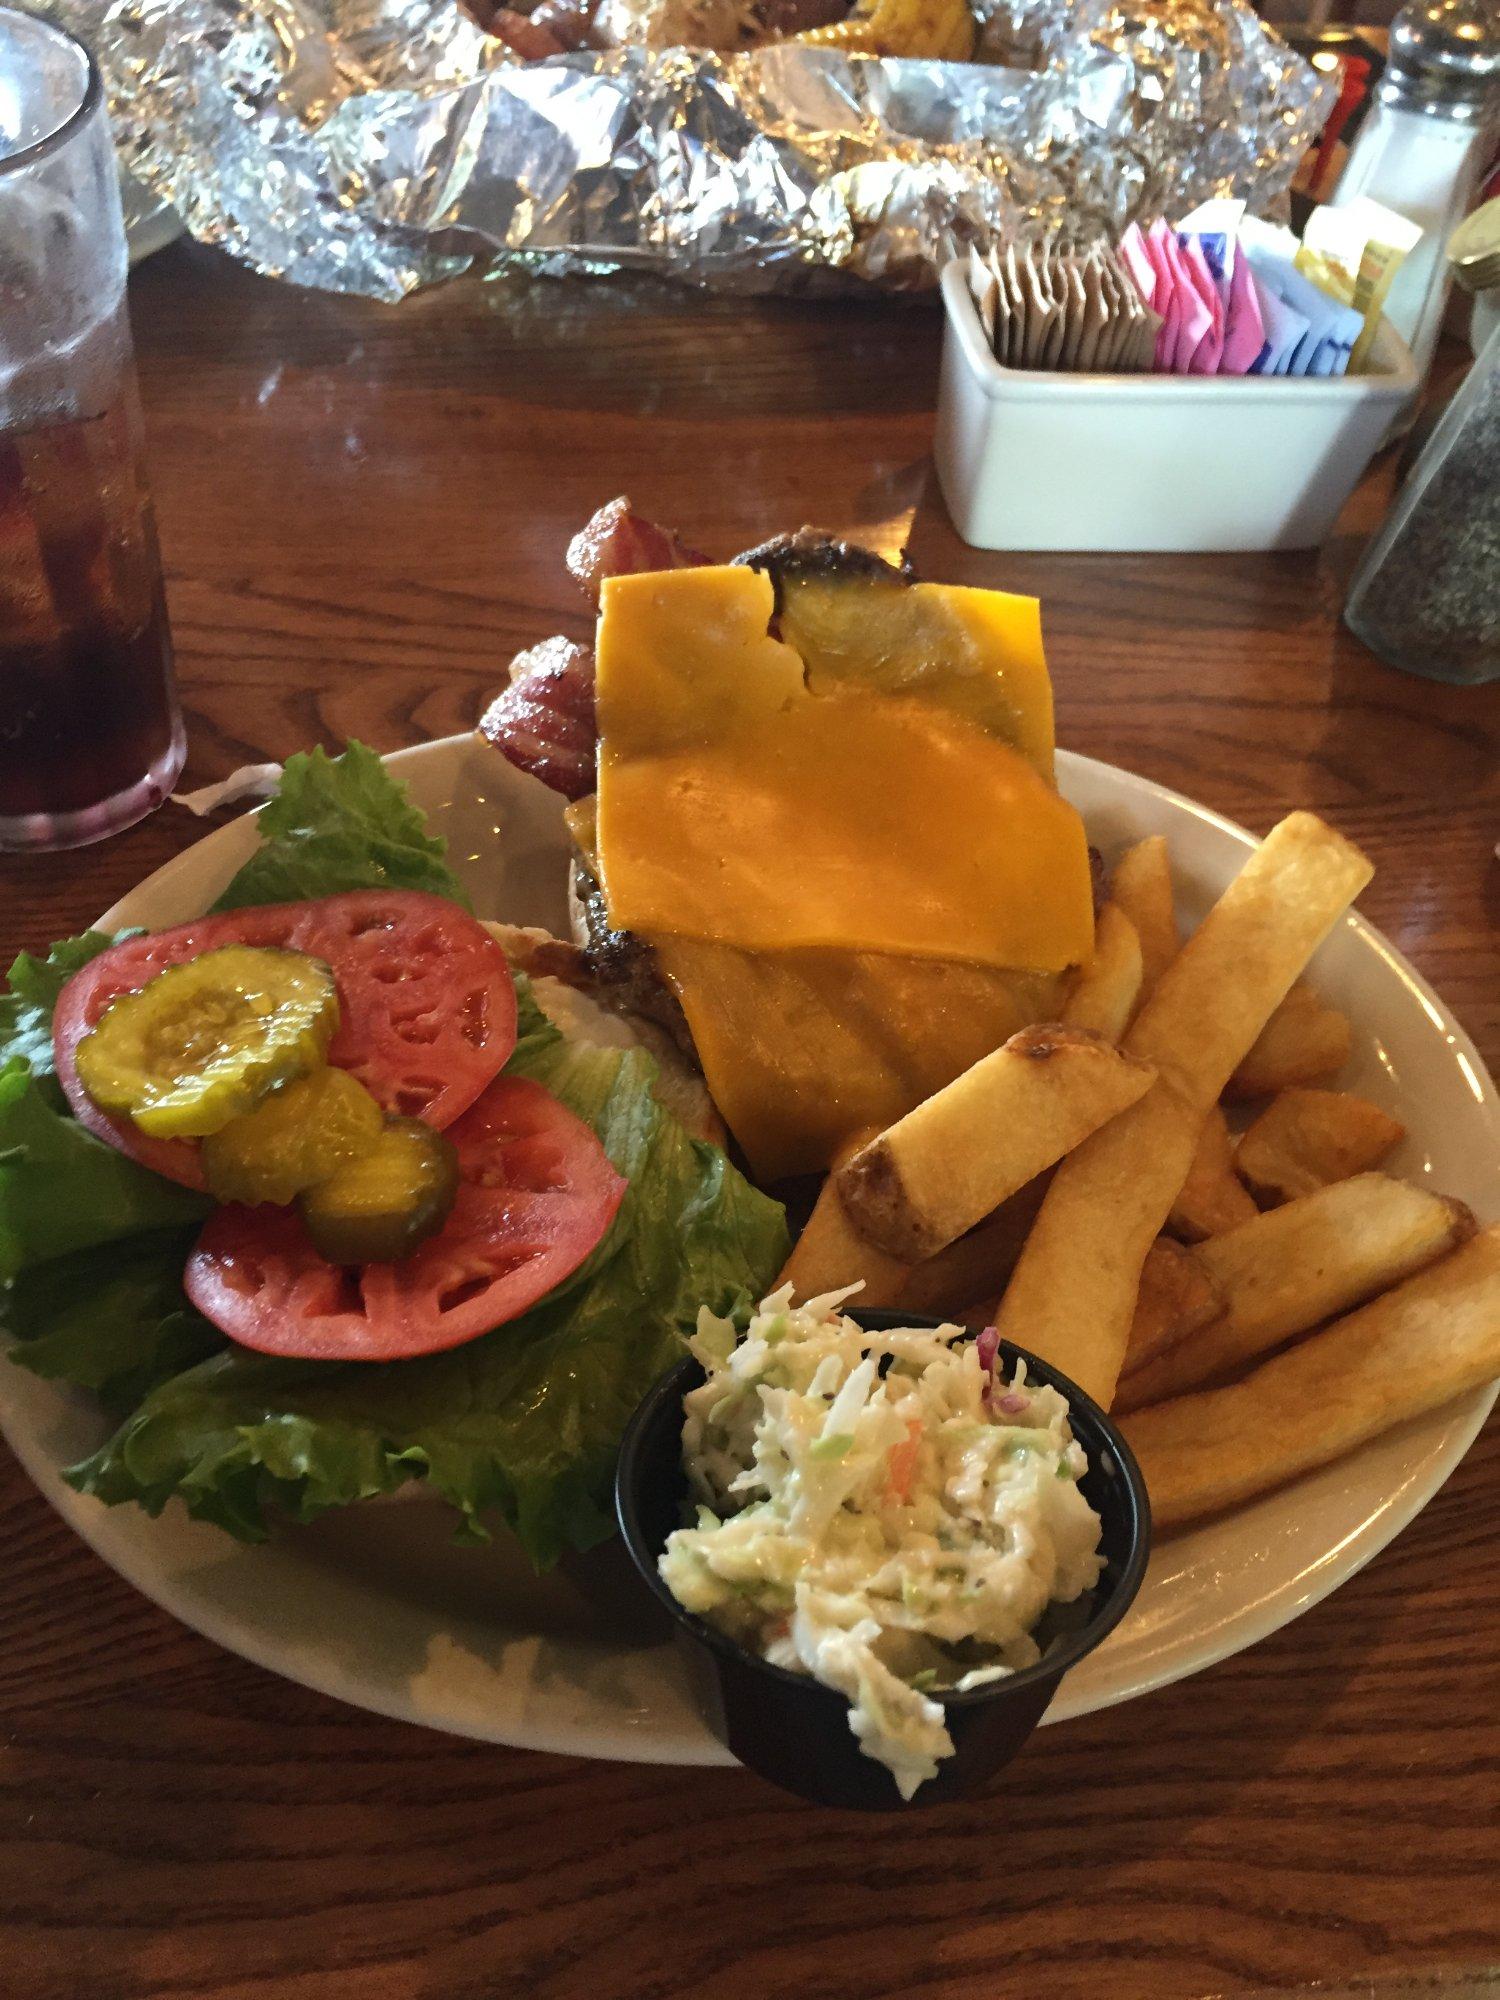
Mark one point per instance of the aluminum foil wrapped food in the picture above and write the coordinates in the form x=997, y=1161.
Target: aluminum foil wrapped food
x=376, y=145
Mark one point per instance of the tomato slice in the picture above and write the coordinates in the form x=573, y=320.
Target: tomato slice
x=427, y=1003
x=537, y=1193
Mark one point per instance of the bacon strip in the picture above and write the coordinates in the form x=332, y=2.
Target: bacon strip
x=544, y=721
x=532, y=40
x=570, y=21
x=620, y=542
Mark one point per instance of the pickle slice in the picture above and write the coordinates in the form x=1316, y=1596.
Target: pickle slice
x=296, y=1137
x=381, y=1206
x=204, y=1041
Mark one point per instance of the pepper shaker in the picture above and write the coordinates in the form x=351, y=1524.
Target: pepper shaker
x=1426, y=596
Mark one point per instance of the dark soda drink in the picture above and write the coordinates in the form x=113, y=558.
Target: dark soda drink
x=90, y=732
x=87, y=715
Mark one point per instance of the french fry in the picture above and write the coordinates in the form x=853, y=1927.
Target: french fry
x=1141, y=885
x=977, y=1265
x=1107, y=986
x=1177, y=1296
x=945, y=1166
x=1409, y=1351
x=1213, y=1198
x=1294, y=1267
x=831, y=1252
x=1212, y=1001
x=1306, y=1138
x=1305, y=1041
x=1072, y=1296
x=942, y=28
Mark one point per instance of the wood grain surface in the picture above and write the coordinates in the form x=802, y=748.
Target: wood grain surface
x=363, y=511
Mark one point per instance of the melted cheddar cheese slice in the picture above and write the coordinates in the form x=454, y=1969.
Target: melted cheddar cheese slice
x=855, y=891
x=802, y=1051
x=739, y=806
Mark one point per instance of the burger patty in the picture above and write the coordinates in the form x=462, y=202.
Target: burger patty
x=622, y=963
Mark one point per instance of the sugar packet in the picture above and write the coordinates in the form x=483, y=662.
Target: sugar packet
x=1332, y=328
x=1216, y=225
x=1171, y=303
x=1285, y=328
x=984, y=288
x=1353, y=251
x=1244, y=318
x=1057, y=307
x=1204, y=358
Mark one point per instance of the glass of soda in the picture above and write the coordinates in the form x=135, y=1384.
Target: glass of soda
x=91, y=735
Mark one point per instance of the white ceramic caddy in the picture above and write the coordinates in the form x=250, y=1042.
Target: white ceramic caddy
x=1033, y=459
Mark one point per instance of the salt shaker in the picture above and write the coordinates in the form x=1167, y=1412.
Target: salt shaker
x=1426, y=596
x=1422, y=146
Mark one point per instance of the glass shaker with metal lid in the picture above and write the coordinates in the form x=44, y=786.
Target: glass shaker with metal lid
x=1423, y=146
x=1426, y=595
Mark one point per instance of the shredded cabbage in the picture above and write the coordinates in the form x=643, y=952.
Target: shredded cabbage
x=871, y=1512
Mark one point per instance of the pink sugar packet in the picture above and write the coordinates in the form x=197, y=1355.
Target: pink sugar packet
x=1195, y=316
x=1239, y=295
x=1204, y=359
x=1244, y=323
x=1166, y=300
x=1134, y=255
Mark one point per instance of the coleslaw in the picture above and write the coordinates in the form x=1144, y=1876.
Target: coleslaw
x=883, y=1511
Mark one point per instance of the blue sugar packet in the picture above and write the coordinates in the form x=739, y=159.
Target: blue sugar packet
x=1332, y=329
x=1285, y=328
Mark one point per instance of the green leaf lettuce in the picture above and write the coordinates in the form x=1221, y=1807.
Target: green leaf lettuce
x=523, y=1422
x=61, y=1189
x=26, y=1007
x=112, y=1320
x=338, y=823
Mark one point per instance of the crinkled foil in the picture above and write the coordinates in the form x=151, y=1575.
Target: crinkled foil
x=376, y=145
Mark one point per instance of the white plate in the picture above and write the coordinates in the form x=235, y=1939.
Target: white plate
x=378, y=1607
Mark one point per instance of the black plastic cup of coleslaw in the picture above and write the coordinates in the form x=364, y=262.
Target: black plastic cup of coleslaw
x=793, y=1730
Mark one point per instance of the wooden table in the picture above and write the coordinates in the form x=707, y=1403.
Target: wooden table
x=364, y=511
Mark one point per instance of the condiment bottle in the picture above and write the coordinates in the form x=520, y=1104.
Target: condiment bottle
x=1422, y=146
x=1474, y=259
x=1426, y=595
